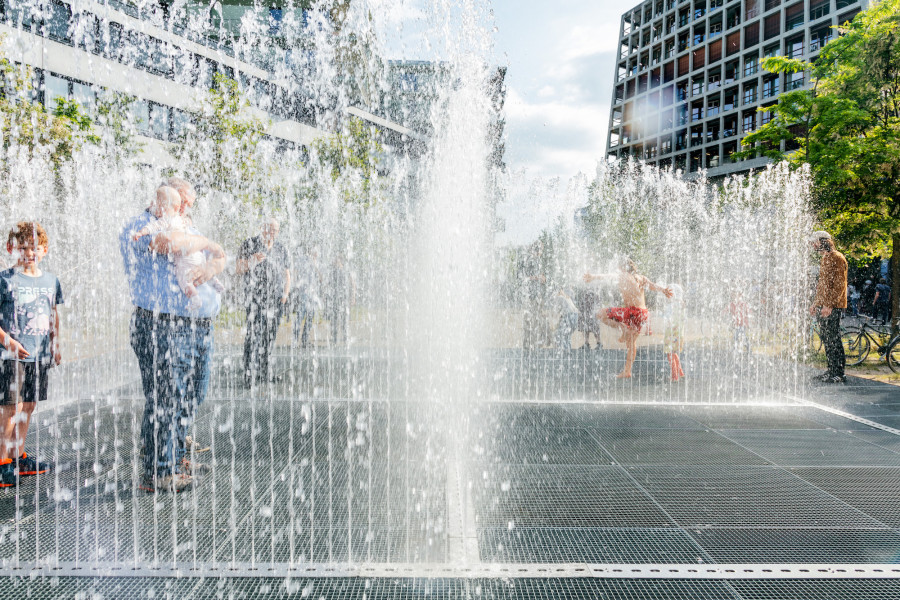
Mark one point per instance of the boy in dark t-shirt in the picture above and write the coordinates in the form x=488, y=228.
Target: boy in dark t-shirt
x=29, y=335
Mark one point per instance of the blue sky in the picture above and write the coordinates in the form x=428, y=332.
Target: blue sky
x=560, y=57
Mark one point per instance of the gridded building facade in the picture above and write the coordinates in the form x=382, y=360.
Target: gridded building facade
x=688, y=82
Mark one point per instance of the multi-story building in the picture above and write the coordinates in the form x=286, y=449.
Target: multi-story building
x=688, y=84
x=80, y=48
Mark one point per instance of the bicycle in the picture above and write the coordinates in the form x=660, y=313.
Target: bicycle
x=858, y=347
x=848, y=334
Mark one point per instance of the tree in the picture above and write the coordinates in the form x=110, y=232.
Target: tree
x=349, y=157
x=847, y=127
x=220, y=149
x=24, y=122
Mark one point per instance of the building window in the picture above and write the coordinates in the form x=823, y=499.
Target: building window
x=751, y=65
x=751, y=35
x=770, y=4
x=699, y=9
x=83, y=95
x=770, y=87
x=733, y=17
x=749, y=122
x=665, y=146
x=696, y=86
x=793, y=17
x=752, y=9
x=699, y=35
x=715, y=4
x=749, y=93
x=715, y=80
x=766, y=116
x=681, y=115
x=819, y=9
x=773, y=50
x=712, y=106
x=794, y=47
x=140, y=110
x=159, y=121
x=681, y=91
x=715, y=29
x=54, y=89
x=730, y=100
x=772, y=26
x=670, y=24
x=696, y=112
x=731, y=71
x=684, y=17
x=795, y=81
x=818, y=38
x=730, y=128
x=670, y=49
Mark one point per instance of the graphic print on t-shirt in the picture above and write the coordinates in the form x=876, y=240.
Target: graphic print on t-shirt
x=26, y=309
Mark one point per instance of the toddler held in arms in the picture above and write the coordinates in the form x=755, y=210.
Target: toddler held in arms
x=166, y=208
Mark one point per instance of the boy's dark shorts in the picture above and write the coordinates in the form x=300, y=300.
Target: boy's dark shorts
x=22, y=382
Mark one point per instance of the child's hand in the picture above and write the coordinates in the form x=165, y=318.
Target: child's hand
x=57, y=357
x=14, y=347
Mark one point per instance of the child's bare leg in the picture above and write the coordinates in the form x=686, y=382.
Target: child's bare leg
x=23, y=420
x=8, y=431
x=14, y=422
x=630, y=353
x=614, y=324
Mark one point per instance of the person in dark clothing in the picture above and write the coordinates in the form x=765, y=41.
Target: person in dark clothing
x=867, y=298
x=263, y=263
x=882, y=302
x=829, y=304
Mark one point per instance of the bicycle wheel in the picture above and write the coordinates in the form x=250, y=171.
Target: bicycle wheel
x=893, y=355
x=856, y=346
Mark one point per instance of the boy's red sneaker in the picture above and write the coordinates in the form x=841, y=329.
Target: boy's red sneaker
x=30, y=466
x=8, y=477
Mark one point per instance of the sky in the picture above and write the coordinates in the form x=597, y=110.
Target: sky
x=560, y=58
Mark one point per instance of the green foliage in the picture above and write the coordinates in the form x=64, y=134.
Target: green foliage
x=847, y=127
x=349, y=157
x=221, y=148
x=113, y=114
x=25, y=122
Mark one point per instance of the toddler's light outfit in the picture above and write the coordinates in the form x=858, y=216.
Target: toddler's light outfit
x=184, y=263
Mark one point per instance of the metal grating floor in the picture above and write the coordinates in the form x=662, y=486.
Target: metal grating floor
x=304, y=478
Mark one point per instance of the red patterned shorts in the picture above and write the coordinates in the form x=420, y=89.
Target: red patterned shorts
x=630, y=316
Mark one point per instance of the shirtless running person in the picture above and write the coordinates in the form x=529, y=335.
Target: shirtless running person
x=631, y=316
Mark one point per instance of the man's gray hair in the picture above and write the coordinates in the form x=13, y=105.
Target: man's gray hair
x=180, y=184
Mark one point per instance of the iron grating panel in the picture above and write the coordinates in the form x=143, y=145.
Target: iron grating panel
x=538, y=446
x=813, y=448
x=584, y=545
x=799, y=546
x=674, y=447
x=556, y=496
x=745, y=497
x=872, y=490
x=744, y=417
x=857, y=589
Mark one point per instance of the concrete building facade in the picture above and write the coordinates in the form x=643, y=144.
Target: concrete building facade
x=688, y=84
x=79, y=49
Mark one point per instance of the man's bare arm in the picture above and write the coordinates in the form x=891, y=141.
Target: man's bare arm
x=176, y=242
x=215, y=264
